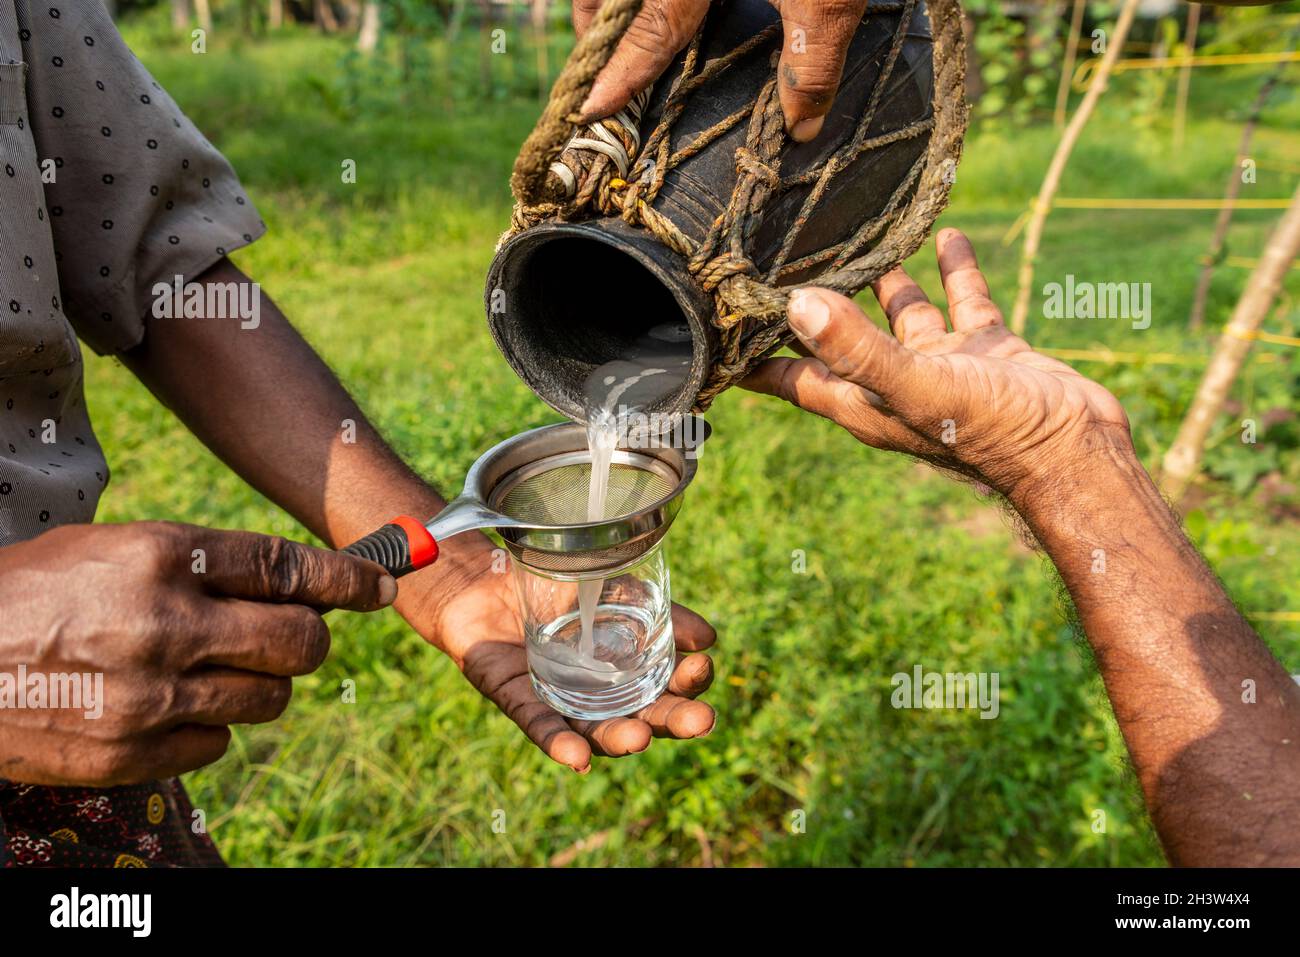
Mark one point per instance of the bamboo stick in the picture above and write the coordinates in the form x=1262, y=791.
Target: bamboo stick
x=368, y=35
x=1067, y=71
x=1185, y=75
x=1183, y=460
x=1043, y=204
x=541, y=43
x=1221, y=223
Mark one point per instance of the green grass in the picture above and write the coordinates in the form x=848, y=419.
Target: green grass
x=384, y=277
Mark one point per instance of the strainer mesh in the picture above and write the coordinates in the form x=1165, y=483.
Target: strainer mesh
x=558, y=496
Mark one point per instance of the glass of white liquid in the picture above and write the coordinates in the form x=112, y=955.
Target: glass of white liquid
x=599, y=647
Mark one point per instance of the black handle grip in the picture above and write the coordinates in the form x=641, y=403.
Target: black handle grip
x=402, y=546
x=388, y=547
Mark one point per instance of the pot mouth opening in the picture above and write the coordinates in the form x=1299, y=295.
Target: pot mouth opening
x=585, y=319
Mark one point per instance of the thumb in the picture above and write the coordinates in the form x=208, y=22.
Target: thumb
x=838, y=332
x=270, y=568
x=817, y=37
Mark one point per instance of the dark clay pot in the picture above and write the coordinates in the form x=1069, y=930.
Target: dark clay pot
x=570, y=297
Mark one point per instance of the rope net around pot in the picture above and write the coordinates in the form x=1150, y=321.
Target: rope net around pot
x=568, y=172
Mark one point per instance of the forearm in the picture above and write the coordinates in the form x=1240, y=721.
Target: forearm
x=1211, y=719
x=271, y=409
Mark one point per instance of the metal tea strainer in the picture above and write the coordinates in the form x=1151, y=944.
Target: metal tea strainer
x=533, y=489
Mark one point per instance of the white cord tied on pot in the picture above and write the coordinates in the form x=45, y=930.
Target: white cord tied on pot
x=620, y=150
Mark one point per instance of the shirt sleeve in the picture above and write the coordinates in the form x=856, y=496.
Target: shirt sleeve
x=138, y=195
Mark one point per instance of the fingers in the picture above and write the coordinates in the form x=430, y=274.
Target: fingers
x=283, y=640
x=659, y=32
x=543, y=725
x=584, y=11
x=808, y=384
x=670, y=716
x=183, y=749
x=690, y=631
x=615, y=737
x=692, y=676
x=817, y=36
x=969, y=304
x=675, y=717
x=270, y=568
x=912, y=317
x=136, y=758
x=499, y=670
x=223, y=696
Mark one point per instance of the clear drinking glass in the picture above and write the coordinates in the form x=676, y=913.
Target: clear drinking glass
x=626, y=656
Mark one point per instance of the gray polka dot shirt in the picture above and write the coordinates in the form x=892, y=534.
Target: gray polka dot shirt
x=105, y=190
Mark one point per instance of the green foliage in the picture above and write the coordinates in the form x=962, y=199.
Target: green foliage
x=904, y=567
x=1243, y=464
x=1019, y=55
x=1261, y=437
x=1015, y=83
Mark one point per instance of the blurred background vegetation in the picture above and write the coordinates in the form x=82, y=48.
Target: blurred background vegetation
x=384, y=276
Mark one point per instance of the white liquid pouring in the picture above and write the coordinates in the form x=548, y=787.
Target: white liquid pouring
x=602, y=438
x=605, y=391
